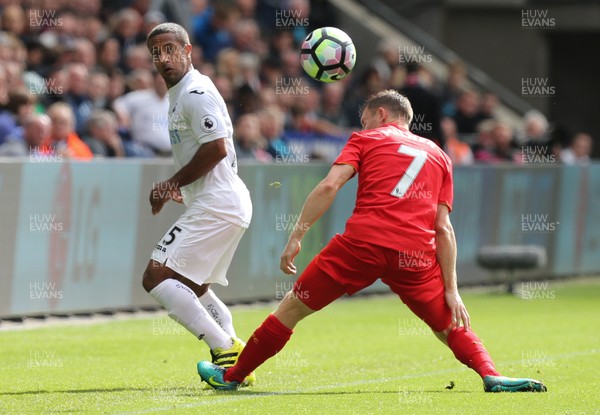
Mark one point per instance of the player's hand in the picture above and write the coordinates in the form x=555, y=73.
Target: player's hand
x=176, y=196
x=289, y=253
x=161, y=193
x=458, y=309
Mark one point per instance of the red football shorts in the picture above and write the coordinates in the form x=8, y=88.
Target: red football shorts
x=346, y=266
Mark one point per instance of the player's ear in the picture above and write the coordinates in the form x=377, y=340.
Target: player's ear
x=188, y=50
x=382, y=114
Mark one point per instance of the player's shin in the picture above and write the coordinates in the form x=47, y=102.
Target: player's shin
x=264, y=343
x=469, y=350
x=183, y=306
x=218, y=310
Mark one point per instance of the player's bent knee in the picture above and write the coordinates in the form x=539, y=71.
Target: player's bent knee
x=152, y=276
x=443, y=335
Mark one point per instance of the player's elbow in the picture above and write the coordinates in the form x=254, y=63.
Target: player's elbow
x=329, y=187
x=219, y=149
x=443, y=229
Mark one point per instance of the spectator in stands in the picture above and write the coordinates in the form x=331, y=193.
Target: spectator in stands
x=300, y=9
x=7, y=121
x=137, y=57
x=212, y=29
x=98, y=87
x=249, y=68
x=387, y=63
x=103, y=138
x=272, y=122
x=77, y=95
x=369, y=83
x=579, y=150
x=14, y=20
x=36, y=128
x=291, y=66
x=503, y=141
x=425, y=104
x=225, y=88
x=246, y=8
x=152, y=19
x=331, y=105
x=246, y=37
x=63, y=139
x=459, y=152
x=37, y=57
x=489, y=106
x=93, y=29
x=228, y=65
x=116, y=87
x=467, y=115
x=127, y=29
x=138, y=80
x=248, y=140
x=281, y=41
x=305, y=120
x=456, y=82
x=535, y=133
x=109, y=54
x=57, y=85
x=20, y=106
x=84, y=52
x=144, y=113
x=483, y=147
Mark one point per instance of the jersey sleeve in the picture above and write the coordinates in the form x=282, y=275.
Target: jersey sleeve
x=204, y=116
x=351, y=153
x=446, y=195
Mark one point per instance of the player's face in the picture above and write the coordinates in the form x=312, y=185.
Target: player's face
x=171, y=59
x=372, y=118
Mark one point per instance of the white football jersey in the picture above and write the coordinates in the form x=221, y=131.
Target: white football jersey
x=198, y=115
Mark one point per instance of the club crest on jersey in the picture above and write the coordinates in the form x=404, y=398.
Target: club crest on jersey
x=208, y=124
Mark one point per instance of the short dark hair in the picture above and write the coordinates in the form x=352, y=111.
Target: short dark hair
x=394, y=101
x=180, y=33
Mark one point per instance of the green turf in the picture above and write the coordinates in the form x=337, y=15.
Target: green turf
x=361, y=356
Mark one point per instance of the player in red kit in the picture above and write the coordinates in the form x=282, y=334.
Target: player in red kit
x=399, y=232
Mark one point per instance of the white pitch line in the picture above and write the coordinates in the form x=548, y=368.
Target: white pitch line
x=240, y=395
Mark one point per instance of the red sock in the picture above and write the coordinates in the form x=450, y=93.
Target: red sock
x=266, y=342
x=469, y=350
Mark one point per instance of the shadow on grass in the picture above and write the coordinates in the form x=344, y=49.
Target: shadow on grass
x=93, y=390
x=246, y=392
x=191, y=391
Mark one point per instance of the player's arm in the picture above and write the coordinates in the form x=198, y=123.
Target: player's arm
x=316, y=204
x=446, y=255
x=206, y=158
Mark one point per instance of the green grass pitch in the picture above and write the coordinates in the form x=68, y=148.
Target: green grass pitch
x=361, y=356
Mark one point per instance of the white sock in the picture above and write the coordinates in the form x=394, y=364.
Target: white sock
x=218, y=310
x=183, y=307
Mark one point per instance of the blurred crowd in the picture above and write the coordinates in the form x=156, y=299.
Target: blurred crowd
x=77, y=80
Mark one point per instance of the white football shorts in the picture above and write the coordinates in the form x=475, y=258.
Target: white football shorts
x=199, y=246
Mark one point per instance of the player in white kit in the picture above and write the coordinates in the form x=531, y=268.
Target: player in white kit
x=197, y=250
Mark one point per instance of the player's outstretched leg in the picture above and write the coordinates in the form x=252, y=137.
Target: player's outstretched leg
x=213, y=375
x=469, y=350
x=506, y=384
x=265, y=342
x=229, y=357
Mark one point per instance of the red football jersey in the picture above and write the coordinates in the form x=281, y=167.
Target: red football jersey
x=401, y=180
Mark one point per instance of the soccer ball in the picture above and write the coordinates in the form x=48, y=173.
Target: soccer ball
x=327, y=54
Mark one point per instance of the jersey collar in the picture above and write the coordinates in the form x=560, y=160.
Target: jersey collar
x=182, y=82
